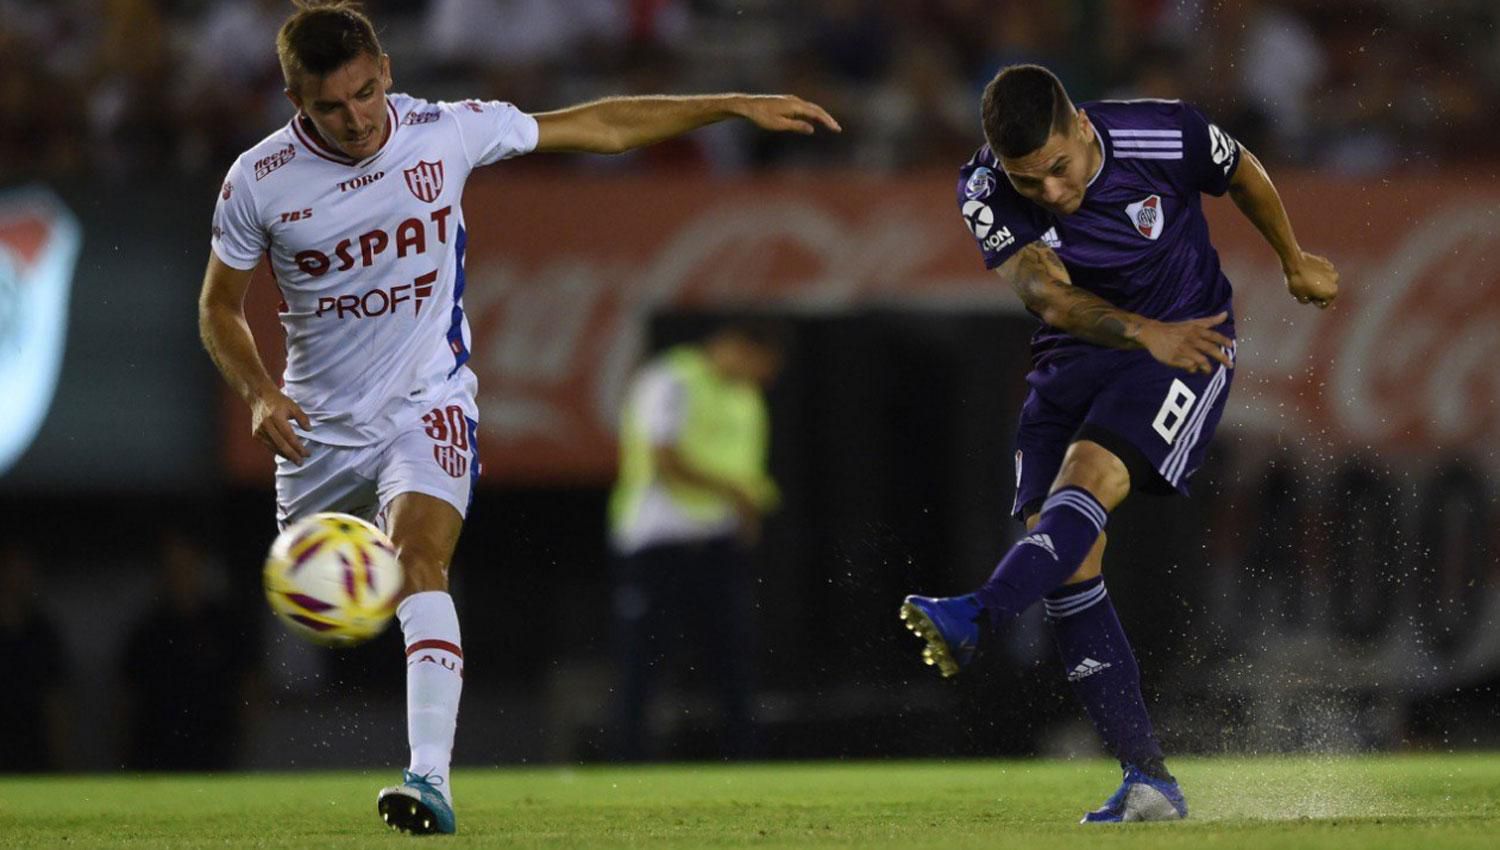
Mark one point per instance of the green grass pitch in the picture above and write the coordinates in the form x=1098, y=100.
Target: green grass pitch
x=1422, y=802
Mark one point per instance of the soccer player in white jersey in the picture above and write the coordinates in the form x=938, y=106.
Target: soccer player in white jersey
x=355, y=205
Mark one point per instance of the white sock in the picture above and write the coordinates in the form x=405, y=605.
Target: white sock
x=434, y=680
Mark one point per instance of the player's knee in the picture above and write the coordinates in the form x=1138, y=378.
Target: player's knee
x=1092, y=566
x=425, y=570
x=1084, y=573
x=1097, y=470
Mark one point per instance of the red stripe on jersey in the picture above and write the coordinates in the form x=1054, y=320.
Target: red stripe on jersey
x=442, y=645
x=315, y=144
x=313, y=141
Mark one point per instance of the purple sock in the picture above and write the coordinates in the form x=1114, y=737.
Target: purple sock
x=1071, y=521
x=1097, y=659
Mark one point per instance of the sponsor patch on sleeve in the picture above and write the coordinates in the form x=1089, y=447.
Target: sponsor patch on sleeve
x=981, y=184
x=981, y=221
x=1222, y=147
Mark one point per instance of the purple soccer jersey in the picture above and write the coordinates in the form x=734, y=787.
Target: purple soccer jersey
x=1140, y=241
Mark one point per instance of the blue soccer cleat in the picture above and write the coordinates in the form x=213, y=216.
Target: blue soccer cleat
x=1141, y=798
x=416, y=806
x=949, y=624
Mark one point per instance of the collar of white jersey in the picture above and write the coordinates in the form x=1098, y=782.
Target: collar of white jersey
x=312, y=140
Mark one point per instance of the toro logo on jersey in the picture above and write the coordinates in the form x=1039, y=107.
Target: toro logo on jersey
x=360, y=182
x=425, y=180
x=1148, y=216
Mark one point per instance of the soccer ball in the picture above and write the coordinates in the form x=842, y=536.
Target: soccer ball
x=333, y=578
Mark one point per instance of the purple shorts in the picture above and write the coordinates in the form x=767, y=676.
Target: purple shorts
x=1157, y=419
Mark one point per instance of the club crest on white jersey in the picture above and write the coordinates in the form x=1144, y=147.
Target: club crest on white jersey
x=370, y=267
x=425, y=180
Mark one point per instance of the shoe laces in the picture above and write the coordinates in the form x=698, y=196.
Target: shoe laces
x=432, y=778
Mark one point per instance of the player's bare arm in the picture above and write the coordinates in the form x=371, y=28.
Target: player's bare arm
x=676, y=470
x=226, y=335
x=1309, y=277
x=1039, y=277
x=618, y=124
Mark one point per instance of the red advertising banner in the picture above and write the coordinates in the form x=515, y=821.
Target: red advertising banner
x=562, y=274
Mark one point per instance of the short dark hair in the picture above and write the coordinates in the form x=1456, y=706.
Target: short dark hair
x=321, y=37
x=1023, y=106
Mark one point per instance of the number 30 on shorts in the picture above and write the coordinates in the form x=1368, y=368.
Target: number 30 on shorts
x=448, y=425
x=1174, y=411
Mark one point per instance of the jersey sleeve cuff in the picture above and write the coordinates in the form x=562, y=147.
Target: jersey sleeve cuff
x=234, y=262
x=529, y=132
x=994, y=261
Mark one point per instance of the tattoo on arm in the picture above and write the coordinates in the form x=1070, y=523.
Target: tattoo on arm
x=1039, y=277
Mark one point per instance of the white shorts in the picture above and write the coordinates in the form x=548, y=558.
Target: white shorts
x=434, y=454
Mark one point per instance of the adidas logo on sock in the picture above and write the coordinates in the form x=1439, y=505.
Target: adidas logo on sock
x=1086, y=668
x=1042, y=540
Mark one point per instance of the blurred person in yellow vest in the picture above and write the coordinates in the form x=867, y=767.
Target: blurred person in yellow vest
x=693, y=487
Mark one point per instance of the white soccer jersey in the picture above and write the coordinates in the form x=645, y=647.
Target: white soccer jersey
x=368, y=255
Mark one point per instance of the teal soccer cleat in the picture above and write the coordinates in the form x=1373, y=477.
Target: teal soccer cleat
x=1141, y=798
x=416, y=806
x=949, y=625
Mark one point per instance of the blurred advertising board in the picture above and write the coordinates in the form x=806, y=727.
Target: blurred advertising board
x=562, y=273
x=39, y=245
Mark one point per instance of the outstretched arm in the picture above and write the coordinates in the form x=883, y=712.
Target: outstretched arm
x=619, y=124
x=1040, y=278
x=1309, y=277
x=226, y=335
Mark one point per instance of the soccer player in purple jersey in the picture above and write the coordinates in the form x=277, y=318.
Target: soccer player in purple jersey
x=1092, y=214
